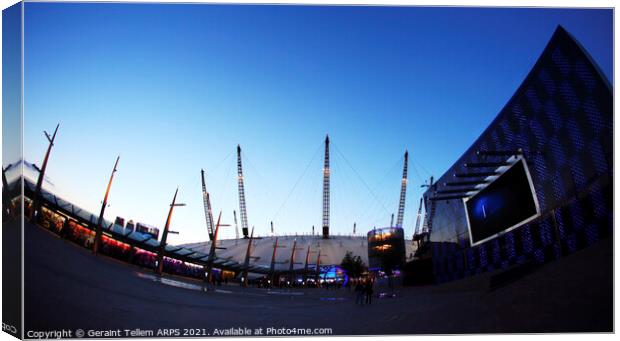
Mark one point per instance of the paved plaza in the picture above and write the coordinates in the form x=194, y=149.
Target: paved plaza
x=66, y=287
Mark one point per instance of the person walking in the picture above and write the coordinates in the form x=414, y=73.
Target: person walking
x=369, y=291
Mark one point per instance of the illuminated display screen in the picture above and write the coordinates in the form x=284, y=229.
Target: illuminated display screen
x=504, y=204
x=386, y=248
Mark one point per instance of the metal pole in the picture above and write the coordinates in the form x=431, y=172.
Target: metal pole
x=242, y=205
x=318, y=267
x=99, y=231
x=209, y=266
x=272, y=267
x=403, y=193
x=291, y=267
x=162, y=244
x=246, y=264
x=236, y=227
x=207, y=205
x=306, y=265
x=326, y=192
x=6, y=203
x=37, y=192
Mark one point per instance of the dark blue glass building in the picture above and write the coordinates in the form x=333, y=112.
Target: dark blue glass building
x=559, y=123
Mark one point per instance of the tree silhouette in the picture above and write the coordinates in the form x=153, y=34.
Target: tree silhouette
x=353, y=265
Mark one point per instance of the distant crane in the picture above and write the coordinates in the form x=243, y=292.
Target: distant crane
x=403, y=193
x=207, y=206
x=242, y=210
x=326, y=191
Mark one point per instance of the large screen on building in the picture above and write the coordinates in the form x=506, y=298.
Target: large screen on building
x=506, y=203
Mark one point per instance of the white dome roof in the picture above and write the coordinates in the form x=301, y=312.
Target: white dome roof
x=333, y=249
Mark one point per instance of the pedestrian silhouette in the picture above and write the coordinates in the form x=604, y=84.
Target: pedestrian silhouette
x=368, y=290
x=359, y=293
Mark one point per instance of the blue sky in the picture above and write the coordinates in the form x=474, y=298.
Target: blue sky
x=175, y=88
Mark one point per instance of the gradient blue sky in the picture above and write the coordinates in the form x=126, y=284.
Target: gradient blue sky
x=174, y=88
